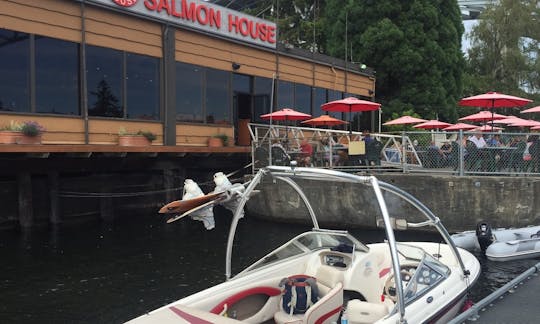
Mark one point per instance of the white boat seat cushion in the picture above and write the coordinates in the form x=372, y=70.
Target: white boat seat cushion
x=327, y=308
x=361, y=312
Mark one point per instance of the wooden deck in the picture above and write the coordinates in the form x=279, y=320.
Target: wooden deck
x=94, y=148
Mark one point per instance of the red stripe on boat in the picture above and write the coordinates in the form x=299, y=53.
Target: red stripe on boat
x=383, y=272
x=188, y=317
x=269, y=291
x=327, y=315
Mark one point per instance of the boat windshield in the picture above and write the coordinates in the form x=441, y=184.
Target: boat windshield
x=420, y=271
x=308, y=242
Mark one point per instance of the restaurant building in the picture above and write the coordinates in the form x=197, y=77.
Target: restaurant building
x=182, y=69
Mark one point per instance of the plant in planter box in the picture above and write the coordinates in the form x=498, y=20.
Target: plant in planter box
x=32, y=129
x=224, y=138
x=140, y=138
x=31, y=133
x=10, y=133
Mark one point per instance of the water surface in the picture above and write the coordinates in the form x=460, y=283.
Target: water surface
x=111, y=272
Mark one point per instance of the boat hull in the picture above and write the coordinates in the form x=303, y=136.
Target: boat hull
x=514, y=250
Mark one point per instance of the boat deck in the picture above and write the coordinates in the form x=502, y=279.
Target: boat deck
x=515, y=302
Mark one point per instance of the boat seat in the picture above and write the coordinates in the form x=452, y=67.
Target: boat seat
x=328, y=307
x=362, y=312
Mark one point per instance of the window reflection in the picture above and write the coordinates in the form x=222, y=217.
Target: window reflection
x=189, y=93
x=218, y=110
x=285, y=95
x=319, y=98
x=302, y=100
x=14, y=69
x=57, y=76
x=142, y=82
x=104, y=82
x=335, y=95
x=262, y=92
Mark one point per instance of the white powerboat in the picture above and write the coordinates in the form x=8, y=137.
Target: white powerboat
x=322, y=276
x=501, y=244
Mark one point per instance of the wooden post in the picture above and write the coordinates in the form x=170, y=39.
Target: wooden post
x=53, y=197
x=26, y=211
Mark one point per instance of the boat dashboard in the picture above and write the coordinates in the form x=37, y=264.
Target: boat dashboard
x=335, y=259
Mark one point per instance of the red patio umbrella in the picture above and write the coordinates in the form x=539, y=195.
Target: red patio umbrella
x=508, y=120
x=286, y=114
x=531, y=110
x=350, y=105
x=483, y=116
x=493, y=100
x=488, y=128
x=404, y=120
x=460, y=126
x=433, y=124
x=525, y=123
x=324, y=120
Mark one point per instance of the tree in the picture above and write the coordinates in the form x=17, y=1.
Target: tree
x=505, y=52
x=298, y=21
x=106, y=103
x=414, y=46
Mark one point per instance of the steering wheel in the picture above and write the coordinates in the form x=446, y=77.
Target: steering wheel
x=390, y=284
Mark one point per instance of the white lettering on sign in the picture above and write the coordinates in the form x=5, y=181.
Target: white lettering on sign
x=200, y=15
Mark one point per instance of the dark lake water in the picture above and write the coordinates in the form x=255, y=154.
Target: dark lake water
x=111, y=272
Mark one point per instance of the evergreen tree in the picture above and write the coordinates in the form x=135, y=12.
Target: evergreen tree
x=414, y=46
x=106, y=103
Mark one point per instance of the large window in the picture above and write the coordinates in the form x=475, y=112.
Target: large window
x=285, y=95
x=302, y=99
x=57, y=76
x=262, y=94
x=104, y=81
x=14, y=71
x=189, y=81
x=218, y=106
x=202, y=94
x=319, y=98
x=142, y=84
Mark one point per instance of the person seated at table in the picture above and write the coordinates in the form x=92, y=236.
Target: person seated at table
x=483, y=157
x=279, y=154
x=494, y=141
x=325, y=151
x=306, y=152
x=478, y=140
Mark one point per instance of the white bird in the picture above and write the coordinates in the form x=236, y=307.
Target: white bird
x=205, y=215
x=232, y=191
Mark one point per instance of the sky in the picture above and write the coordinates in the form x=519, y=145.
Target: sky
x=465, y=43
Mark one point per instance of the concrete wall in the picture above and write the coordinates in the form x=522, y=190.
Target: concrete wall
x=460, y=202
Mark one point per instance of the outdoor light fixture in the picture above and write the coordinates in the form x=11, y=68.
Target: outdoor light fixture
x=363, y=66
x=235, y=66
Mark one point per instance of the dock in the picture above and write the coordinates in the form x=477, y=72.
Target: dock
x=515, y=302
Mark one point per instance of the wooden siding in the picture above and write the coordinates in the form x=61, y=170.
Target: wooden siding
x=206, y=51
x=122, y=32
x=58, y=19
x=197, y=135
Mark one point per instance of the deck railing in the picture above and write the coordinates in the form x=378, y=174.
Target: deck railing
x=511, y=154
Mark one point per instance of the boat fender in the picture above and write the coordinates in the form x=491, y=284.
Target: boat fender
x=484, y=235
x=299, y=293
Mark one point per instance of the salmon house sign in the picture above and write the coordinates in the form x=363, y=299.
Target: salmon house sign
x=200, y=15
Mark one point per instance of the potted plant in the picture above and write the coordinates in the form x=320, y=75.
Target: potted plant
x=218, y=140
x=10, y=133
x=140, y=138
x=31, y=133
